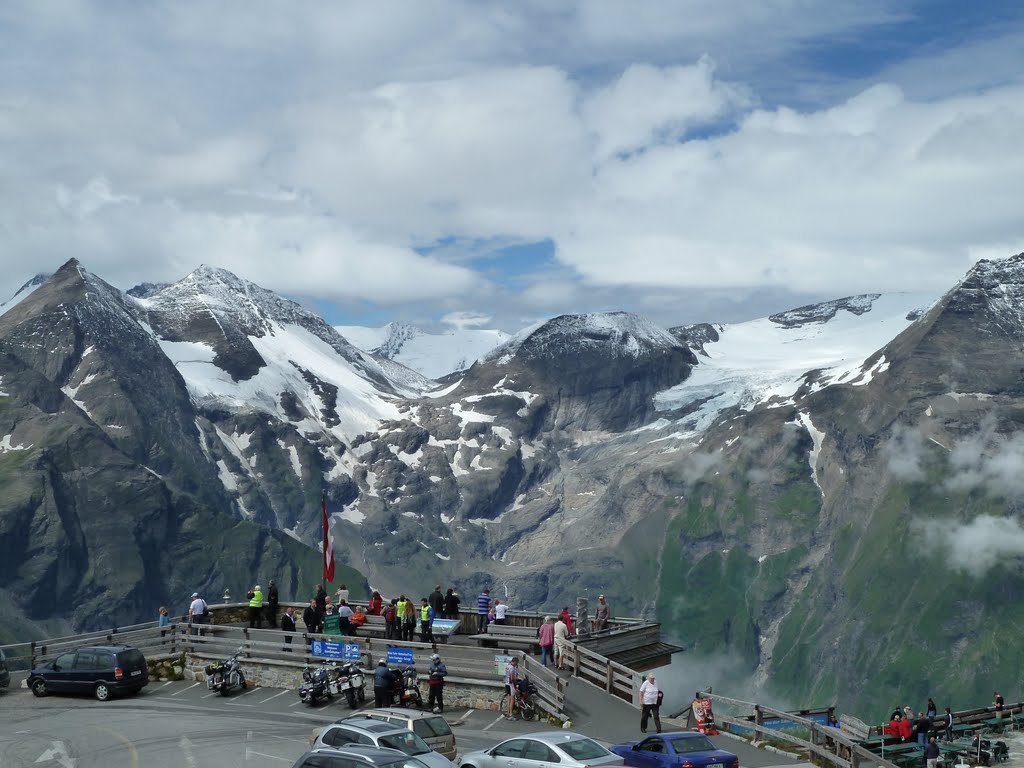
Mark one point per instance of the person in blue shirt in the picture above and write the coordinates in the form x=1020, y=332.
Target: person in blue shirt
x=426, y=622
x=165, y=619
x=483, y=606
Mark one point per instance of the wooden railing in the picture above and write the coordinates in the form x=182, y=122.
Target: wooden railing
x=826, y=743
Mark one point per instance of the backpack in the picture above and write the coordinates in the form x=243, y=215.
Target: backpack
x=389, y=614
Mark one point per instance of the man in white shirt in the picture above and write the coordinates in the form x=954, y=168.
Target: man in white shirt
x=650, y=701
x=561, y=643
x=500, y=609
x=197, y=612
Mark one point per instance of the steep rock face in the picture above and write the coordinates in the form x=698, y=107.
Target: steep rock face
x=860, y=542
x=596, y=371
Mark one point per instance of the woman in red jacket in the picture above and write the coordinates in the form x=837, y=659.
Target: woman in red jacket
x=374, y=606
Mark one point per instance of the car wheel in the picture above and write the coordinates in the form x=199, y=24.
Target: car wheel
x=102, y=691
x=39, y=687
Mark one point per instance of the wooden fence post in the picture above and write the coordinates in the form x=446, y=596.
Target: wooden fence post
x=609, y=677
x=758, y=722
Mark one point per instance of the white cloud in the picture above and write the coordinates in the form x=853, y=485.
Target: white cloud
x=975, y=547
x=336, y=138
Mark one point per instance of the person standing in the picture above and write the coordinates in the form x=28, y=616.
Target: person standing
x=256, y=608
x=435, y=699
x=997, y=702
x=947, y=721
x=924, y=724
x=321, y=601
x=931, y=753
x=376, y=603
x=567, y=618
x=400, y=616
x=932, y=710
x=546, y=640
x=426, y=621
x=451, y=604
x=436, y=600
x=650, y=702
x=341, y=594
x=483, y=606
x=601, y=614
x=311, y=618
x=197, y=613
x=561, y=643
x=288, y=626
x=409, y=621
x=272, y=604
x=500, y=610
x=390, y=614
x=511, y=685
x=345, y=614
x=382, y=681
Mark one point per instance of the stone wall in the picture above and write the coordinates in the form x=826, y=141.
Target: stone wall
x=458, y=691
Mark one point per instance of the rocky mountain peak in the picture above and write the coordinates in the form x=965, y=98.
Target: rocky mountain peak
x=611, y=334
x=996, y=285
x=825, y=311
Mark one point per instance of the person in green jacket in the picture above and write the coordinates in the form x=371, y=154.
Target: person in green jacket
x=255, y=608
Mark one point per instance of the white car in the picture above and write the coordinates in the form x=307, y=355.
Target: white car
x=368, y=732
x=562, y=748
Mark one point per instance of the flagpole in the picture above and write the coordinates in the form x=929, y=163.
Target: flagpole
x=323, y=564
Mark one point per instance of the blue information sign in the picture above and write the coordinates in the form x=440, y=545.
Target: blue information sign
x=399, y=655
x=444, y=626
x=330, y=650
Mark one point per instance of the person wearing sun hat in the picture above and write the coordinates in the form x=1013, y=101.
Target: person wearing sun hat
x=197, y=612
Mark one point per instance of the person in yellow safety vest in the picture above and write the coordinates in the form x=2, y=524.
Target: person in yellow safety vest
x=256, y=608
x=426, y=622
x=400, y=613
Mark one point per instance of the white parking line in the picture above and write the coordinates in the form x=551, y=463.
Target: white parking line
x=296, y=703
x=250, y=752
x=283, y=738
x=465, y=716
x=282, y=693
x=169, y=682
x=211, y=693
x=178, y=693
x=497, y=720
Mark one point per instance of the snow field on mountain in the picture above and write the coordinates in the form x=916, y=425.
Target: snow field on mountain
x=757, y=361
x=432, y=354
x=360, y=407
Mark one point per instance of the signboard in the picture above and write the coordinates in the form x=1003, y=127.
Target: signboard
x=328, y=650
x=444, y=626
x=500, y=662
x=399, y=655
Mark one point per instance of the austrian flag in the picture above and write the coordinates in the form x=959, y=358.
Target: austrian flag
x=328, y=545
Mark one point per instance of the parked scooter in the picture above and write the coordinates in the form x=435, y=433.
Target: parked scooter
x=315, y=684
x=405, y=688
x=348, y=681
x=226, y=675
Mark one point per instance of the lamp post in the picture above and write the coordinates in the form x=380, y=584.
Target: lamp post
x=227, y=596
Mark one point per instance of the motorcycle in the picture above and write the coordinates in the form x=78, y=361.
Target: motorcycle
x=405, y=688
x=315, y=684
x=226, y=675
x=348, y=680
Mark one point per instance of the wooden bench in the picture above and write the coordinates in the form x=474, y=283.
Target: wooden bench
x=504, y=635
x=374, y=627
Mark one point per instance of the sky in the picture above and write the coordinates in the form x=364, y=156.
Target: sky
x=691, y=160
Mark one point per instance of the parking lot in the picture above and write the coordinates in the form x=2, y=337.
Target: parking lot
x=182, y=724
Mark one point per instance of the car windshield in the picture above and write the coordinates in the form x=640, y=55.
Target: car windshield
x=692, y=744
x=407, y=742
x=583, y=749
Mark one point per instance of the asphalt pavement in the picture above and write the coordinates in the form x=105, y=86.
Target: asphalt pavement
x=181, y=724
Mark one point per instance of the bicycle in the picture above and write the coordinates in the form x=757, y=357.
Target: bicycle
x=523, y=704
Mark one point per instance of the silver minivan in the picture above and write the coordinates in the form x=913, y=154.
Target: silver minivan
x=432, y=728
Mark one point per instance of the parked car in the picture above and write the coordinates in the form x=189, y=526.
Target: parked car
x=567, y=749
x=5, y=673
x=356, y=757
x=676, y=749
x=433, y=729
x=378, y=733
x=102, y=670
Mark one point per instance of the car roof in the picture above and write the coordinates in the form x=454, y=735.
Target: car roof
x=369, y=755
x=103, y=648
x=369, y=724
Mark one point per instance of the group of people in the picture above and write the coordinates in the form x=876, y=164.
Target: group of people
x=384, y=680
x=906, y=727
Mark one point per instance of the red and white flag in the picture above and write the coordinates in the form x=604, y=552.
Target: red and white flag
x=328, y=545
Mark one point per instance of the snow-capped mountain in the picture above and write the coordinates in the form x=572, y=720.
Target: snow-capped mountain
x=760, y=487
x=22, y=293
x=775, y=359
x=432, y=354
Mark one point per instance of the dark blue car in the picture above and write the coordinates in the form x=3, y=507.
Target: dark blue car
x=676, y=749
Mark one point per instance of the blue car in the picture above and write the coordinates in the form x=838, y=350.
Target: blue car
x=676, y=749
